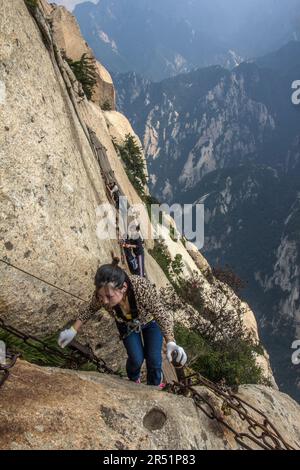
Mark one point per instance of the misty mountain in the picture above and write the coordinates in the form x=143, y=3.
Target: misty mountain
x=213, y=118
x=162, y=38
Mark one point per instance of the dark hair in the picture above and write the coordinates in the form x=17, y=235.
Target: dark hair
x=111, y=274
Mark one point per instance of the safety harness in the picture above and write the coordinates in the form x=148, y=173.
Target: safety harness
x=130, y=325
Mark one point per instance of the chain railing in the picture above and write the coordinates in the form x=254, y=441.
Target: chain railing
x=77, y=354
x=260, y=432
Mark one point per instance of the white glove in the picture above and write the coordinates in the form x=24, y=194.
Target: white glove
x=66, y=337
x=181, y=357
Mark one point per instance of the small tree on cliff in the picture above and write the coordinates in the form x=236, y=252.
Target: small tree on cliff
x=132, y=156
x=106, y=106
x=228, y=276
x=31, y=4
x=85, y=71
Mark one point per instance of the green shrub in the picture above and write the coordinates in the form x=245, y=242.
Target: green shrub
x=149, y=200
x=232, y=362
x=172, y=233
x=218, y=318
x=177, y=266
x=31, y=4
x=190, y=290
x=162, y=257
x=132, y=156
x=106, y=106
x=171, y=268
x=85, y=72
x=227, y=276
x=38, y=356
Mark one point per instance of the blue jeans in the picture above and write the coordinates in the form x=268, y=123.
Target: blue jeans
x=137, y=352
x=141, y=265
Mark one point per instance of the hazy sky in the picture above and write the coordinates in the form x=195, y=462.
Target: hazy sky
x=70, y=4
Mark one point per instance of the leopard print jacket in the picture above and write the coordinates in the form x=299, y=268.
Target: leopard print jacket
x=149, y=307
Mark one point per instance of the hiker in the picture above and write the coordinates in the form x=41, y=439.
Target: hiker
x=130, y=257
x=136, y=242
x=140, y=317
x=115, y=192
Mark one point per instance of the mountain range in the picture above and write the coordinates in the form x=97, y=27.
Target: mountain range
x=231, y=139
x=160, y=39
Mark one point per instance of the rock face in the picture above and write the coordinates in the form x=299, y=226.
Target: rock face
x=67, y=36
x=199, y=259
x=76, y=410
x=50, y=183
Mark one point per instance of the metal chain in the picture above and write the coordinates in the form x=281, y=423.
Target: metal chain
x=87, y=353
x=261, y=433
x=74, y=360
x=260, y=430
x=79, y=350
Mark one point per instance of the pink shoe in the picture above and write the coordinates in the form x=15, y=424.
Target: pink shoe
x=161, y=386
x=138, y=381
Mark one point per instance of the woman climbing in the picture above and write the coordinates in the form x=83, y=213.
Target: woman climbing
x=140, y=316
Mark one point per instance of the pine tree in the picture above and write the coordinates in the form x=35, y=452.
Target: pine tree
x=85, y=71
x=132, y=156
